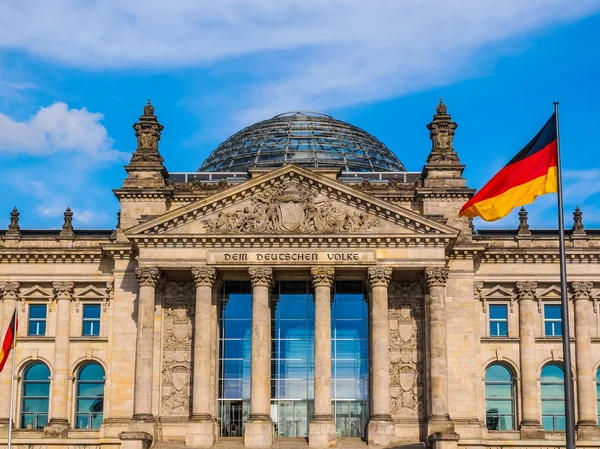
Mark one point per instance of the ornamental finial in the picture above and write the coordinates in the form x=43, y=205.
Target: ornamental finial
x=14, y=230
x=441, y=108
x=523, y=229
x=578, y=222
x=149, y=109
x=441, y=133
x=67, y=229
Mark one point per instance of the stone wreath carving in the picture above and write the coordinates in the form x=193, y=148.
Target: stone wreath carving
x=178, y=313
x=291, y=208
x=406, y=349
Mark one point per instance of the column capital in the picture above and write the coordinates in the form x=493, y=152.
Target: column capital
x=582, y=289
x=261, y=276
x=206, y=276
x=435, y=276
x=10, y=290
x=63, y=290
x=379, y=276
x=526, y=290
x=322, y=276
x=147, y=276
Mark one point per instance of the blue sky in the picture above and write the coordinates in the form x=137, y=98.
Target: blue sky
x=75, y=74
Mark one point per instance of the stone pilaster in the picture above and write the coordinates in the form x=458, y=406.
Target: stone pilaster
x=439, y=422
x=322, y=433
x=59, y=418
x=530, y=422
x=380, y=429
x=587, y=425
x=201, y=431
x=142, y=394
x=259, y=427
x=9, y=293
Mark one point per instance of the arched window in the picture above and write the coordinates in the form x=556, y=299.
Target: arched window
x=89, y=401
x=499, y=398
x=553, y=398
x=35, y=396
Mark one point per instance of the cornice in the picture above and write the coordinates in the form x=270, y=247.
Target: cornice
x=119, y=250
x=143, y=194
x=533, y=255
x=289, y=241
x=467, y=251
x=51, y=255
x=453, y=193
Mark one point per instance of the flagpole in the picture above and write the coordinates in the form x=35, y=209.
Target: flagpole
x=12, y=381
x=564, y=302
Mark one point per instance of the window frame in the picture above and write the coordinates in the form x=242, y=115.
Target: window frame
x=498, y=321
x=91, y=320
x=552, y=399
x=38, y=321
x=512, y=399
x=553, y=321
x=77, y=396
x=22, y=397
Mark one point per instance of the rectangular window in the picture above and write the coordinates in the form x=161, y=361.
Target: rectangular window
x=552, y=321
x=37, y=320
x=91, y=320
x=498, y=321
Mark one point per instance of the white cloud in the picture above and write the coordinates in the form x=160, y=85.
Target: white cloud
x=58, y=128
x=322, y=54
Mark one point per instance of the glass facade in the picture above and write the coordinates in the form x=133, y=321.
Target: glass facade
x=35, y=396
x=292, y=357
x=499, y=398
x=553, y=398
x=350, y=359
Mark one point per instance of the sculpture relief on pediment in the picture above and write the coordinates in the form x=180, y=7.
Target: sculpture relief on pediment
x=291, y=207
x=405, y=314
x=178, y=315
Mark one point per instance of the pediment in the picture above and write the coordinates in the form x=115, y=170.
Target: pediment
x=37, y=292
x=499, y=292
x=90, y=292
x=291, y=201
x=552, y=292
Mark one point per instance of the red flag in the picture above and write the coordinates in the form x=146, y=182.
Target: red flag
x=9, y=339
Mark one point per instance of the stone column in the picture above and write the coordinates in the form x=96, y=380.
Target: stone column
x=380, y=429
x=59, y=419
x=439, y=423
x=322, y=431
x=142, y=393
x=201, y=429
x=259, y=427
x=9, y=293
x=587, y=426
x=530, y=421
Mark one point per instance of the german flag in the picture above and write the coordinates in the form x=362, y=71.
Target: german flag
x=9, y=339
x=532, y=172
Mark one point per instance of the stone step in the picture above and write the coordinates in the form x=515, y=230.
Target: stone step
x=286, y=443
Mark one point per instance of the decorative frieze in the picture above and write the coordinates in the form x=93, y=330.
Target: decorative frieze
x=204, y=276
x=147, y=276
x=379, y=276
x=261, y=276
x=322, y=276
x=407, y=373
x=178, y=315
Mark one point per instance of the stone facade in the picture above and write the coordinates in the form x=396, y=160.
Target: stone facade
x=430, y=280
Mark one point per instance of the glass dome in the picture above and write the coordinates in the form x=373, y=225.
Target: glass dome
x=308, y=139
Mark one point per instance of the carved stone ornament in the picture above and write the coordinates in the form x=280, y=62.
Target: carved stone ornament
x=379, y=276
x=67, y=229
x=322, y=276
x=198, y=186
x=291, y=207
x=477, y=290
x=578, y=228
x=261, y=276
x=391, y=185
x=204, y=276
x=147, y=276
x=147, y=131
x=63, y=290
x=178, y=313
x=14, y=230
x=441, y=133
x=523, y=229
x=405, y=313
x=436, y=276
x=582, y=289
x=10, y=290
x=110, y=291
x=526, y=290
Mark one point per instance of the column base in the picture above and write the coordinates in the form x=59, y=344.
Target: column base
x=135, y=440
x=588, y=430
x=532, y=430
x=57, y=428
x=380, y=430
x=440, y=424
x=259, y=431
x=4, y=425
x=200, y=433
x=146, y=417
x=321, y=432
x=444, y=440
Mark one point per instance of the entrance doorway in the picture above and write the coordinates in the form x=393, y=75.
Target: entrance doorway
x=291, y=418
x=350, y=418
x=232, y=417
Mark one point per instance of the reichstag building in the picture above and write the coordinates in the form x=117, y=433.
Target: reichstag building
x=301, y=288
